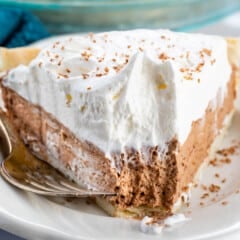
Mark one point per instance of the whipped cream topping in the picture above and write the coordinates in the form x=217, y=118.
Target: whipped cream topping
x=127, y=89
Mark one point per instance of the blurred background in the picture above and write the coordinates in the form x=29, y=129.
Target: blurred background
x=63, y=16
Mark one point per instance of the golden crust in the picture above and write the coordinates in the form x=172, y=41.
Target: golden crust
x=233, y=50
x=10, y=58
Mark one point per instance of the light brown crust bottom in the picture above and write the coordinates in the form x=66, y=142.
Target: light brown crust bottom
x=153, y=188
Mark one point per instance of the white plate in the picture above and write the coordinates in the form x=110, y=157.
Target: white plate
x=34, y=217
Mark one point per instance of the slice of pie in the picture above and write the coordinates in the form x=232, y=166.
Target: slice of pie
x=133, y=112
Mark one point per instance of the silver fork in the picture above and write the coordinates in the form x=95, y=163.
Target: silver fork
x=24, y=171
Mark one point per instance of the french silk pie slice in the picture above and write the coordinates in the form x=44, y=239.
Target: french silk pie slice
x=133, y=112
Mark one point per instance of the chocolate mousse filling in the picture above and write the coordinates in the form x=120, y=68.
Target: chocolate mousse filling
x=149, y=187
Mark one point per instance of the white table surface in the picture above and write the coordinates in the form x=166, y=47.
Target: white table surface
x=229, y=26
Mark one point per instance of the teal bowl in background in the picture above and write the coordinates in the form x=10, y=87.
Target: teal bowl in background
x=62, y=16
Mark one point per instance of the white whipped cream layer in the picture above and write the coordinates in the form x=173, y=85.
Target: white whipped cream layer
x=127, y=89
